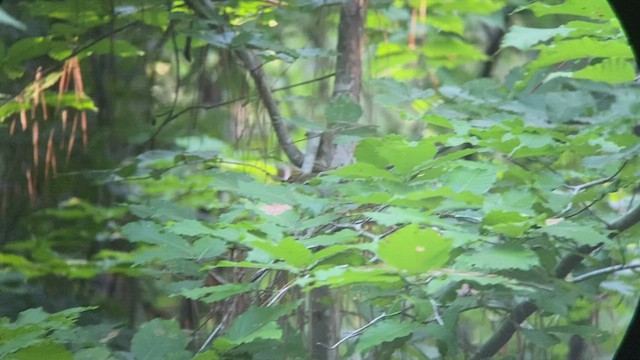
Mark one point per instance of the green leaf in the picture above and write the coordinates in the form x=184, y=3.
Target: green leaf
x=477, y=181
x=581, y=234
x=173, y=246
x=523, y=38
x=594, y=9
x=573, y=49
x=259, y=323
x=207, y=355
x=451, y=22
x=118, y=47
x=208, y=247
x=414, y=250
x=396, y=215
x=384, y=331
x=540, y=338
x=342, y=110
x=499, y=258
x=251, y=265
x=338, y=237
x=450, y=52
x=97, y=353
x=383, y=153
x=210, y=294
x=362, y=170
x=160, y=339
x=612, y=71
x=289, y=250
x=52, y=351
x=190, y=228
x=342, y=276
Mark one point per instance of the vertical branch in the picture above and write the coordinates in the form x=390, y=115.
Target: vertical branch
x=348, y=81
x=325, y=319
x=284, y=138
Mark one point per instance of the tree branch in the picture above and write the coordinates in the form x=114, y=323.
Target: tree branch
x=523, y=310
x=170, y=117
x=625, y=221
x=284, y=138
x=566, y=265
x=603, y=271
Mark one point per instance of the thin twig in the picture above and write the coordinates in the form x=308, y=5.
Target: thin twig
x=603, y=271
x=213, y=334
x=577, y=188
x=436, y=312
x=359, y=330
x=281, y=292
x=174, y=116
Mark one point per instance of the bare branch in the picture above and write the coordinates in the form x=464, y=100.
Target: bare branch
x=359, y=330
x=170, y=117
x=604, y=271
x=284, y=138
x=577, y=188
x=627, y=220
x=214, y=333
x=313, y=143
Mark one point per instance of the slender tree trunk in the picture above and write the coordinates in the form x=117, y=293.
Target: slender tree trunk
x=325, y=319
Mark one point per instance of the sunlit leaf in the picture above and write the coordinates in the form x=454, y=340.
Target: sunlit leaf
x=414, y=250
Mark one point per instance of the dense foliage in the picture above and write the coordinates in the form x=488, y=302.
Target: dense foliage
x=145, y=217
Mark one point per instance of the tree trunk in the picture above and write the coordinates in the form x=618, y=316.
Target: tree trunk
x=325, y=319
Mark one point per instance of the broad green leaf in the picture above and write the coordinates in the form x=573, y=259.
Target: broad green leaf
x=118, y=47
x=396, y=215
x=414, y=250
x=540, y=338
x=190, y=228
x=363, y=170
x=523, y=38
x=451, y=52
x=151, y=233
x=451, y=22
x=97, y=353
x=437, y=120
x=342, y=110
x=384, y=331
x=468, y=6
x=208, y=247
x=342, y=275
x=565, y=106
x=210, y=294
x=499, y=257
x=581, y=234
x=611, y=70
x=339, y=237
x=331, y=250
x=478, y=181
x=533, y=145
x=207, y=355
x=160, y=339
x=383, y=153
x=250, y=265
x=289, y=250
x=573, y=49
x=259, y=323
x=391, y=92
x=53, y=352
x=594, y=9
